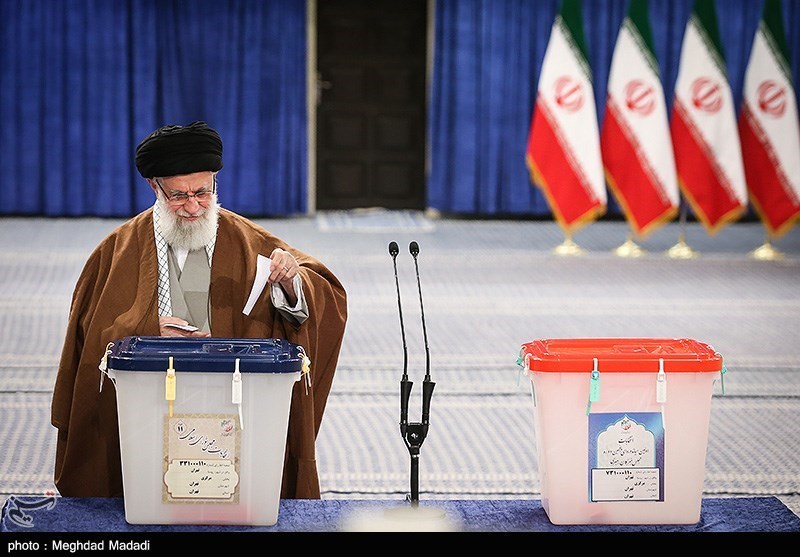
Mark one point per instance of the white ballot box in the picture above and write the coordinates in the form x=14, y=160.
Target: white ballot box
x=202, y=426
x=621, y=427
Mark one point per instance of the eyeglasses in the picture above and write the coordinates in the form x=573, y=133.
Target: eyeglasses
x=203, y=195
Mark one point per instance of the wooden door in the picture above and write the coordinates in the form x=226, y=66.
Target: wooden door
x=371, y=104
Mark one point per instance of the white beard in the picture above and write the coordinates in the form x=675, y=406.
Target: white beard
x=184, y=234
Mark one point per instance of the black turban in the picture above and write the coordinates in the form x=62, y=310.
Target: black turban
x=173, y=150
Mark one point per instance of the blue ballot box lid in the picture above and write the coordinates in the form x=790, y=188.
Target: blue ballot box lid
x=255, y=355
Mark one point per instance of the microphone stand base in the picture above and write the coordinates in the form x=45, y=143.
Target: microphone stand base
x=406, y=518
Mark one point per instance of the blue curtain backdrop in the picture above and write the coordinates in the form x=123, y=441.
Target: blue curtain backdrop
x=83, y=81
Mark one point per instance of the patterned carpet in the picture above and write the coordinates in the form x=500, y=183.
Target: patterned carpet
x=488, y=287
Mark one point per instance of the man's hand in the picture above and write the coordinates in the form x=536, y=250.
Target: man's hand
x=283, y=269
x=176, y=327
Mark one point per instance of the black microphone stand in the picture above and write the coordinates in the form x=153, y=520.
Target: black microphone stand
x=405, y=384
x=414, y=433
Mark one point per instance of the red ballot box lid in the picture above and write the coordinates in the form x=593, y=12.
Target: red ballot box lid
x=637, y=355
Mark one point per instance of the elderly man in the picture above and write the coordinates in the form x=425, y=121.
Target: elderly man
x=185, y=267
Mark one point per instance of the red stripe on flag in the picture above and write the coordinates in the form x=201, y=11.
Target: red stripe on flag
x=772, y=197
x=699, y=175
x=555, y=171
x=633, y=184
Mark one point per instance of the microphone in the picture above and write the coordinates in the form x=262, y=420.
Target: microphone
x=413, y=433
x=427, y=384
x=405, y=384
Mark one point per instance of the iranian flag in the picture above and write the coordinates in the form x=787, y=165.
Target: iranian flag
x=705, y=136
x=768, y=126
x=563, y=152
x=635, y=138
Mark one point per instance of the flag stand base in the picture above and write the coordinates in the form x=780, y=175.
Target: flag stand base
x=568, y=247
x=766, y=252
x=629, y=249
x=681, y=250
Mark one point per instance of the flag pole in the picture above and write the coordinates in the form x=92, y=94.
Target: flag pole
x=629, y=248
x=568, y=247
x=766, y=251
x=681, y=250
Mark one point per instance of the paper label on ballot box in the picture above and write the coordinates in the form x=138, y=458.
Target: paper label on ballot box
x=201, y=458
x=626, y=456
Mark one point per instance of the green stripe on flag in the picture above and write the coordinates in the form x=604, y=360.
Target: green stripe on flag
x=640, y=18
x=775, y=35
x=705, y=17
x=572, y=20
x=638, y=22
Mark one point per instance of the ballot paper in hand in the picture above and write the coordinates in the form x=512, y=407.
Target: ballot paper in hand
x=262, y=274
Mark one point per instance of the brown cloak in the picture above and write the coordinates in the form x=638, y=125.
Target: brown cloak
x=117, y=296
